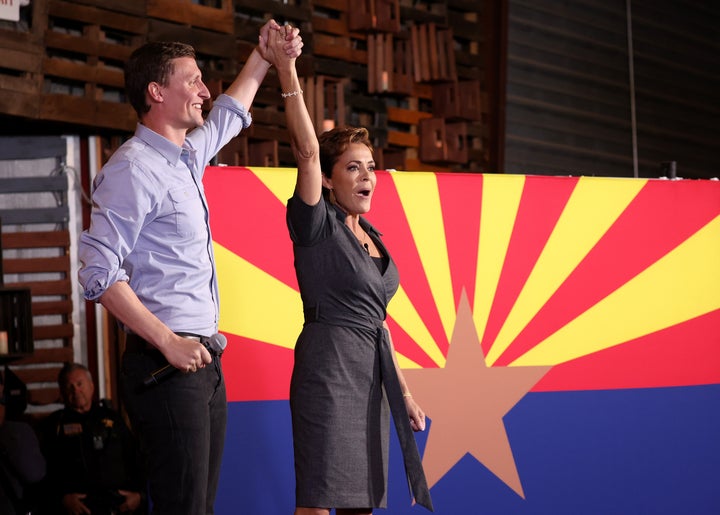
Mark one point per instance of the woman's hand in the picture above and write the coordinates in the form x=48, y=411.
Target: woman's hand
x=417, y=415
x=279, y=44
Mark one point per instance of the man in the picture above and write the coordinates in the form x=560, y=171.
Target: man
x=148, y=258
x=93, y=460
x=22, y=465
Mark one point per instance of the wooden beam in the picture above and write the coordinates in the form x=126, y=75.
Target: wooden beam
x=14, y=148
x=40, y=288
x=35, y=240
x=51, y=355
x=57, y=307
x=37, y=265
x=38, y=374
x=43, y=396
x=53, y=215
x=53, y=332
x=34, y=184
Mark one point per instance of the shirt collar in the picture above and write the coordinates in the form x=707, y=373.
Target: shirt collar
x=166, y=148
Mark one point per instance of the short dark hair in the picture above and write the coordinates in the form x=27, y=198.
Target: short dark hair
x=336, y=141
x=65, y=372
x=152, y=62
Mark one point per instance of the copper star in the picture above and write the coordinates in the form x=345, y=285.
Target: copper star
x=466, y=402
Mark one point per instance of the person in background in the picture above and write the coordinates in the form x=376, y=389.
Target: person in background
x=22, y=465
x=345, y=378
x=93, y=459
x=147, y=257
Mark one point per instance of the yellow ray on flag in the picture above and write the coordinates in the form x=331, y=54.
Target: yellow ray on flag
x=281, y=181
x=684, y=284
x=500, y=200
x=255, y=315
x=420, y=198
x=401, y=309
x=594, y=206
x=405, y=362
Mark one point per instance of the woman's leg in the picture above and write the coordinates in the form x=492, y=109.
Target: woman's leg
x=312, y=511
x=325, y=511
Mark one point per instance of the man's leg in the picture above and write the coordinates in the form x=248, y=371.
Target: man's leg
x=172, y=420
x=218, y=424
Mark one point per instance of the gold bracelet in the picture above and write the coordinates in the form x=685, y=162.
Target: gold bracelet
x=292, y=93
x=407, y=394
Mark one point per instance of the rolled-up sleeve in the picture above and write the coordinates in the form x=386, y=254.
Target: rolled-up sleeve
x=225, y=121
x=120, y=205
x=96, y=273
x=236, y=107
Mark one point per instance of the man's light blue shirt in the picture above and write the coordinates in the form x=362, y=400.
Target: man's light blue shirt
x=150, y=222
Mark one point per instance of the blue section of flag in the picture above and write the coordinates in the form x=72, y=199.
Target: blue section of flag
x=257, y=475
x=618, y=452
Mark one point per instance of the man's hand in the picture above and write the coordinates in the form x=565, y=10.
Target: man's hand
x=74, y=505
x=186, y=355
x=292, y=42
x=132, y=501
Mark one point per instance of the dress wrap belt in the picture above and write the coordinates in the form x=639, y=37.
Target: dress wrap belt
x=411, y=457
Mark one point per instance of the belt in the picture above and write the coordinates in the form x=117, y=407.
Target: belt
x=135, y=343
x=192, y=336
x=411, y=457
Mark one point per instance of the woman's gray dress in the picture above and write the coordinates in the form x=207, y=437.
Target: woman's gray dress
x=339, y=412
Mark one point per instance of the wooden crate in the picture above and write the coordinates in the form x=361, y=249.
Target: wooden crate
x=390, y=64
x=477, y=147
x=352, y=50
x=257, y=12
x=468, y=35
x=86, y=49
x=404, y=123
x=433, y=53
x=21, y=47
x=460, y=100
x=389, y=158
x=380, y=15
x=331, y=35
x=423, y=11
x=368, y=112
x=244, y=151
x=194, y=14
x=20, y=79
x=135, y=7
x=325, y=100
x=443, y=142
x=215, y=52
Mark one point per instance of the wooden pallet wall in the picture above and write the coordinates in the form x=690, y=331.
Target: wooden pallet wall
x=36, y=256
x=372, y=62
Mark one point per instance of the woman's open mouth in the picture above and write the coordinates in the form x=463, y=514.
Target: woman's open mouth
x=364, y=193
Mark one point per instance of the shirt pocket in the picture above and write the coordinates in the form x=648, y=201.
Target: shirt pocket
x=188, y=211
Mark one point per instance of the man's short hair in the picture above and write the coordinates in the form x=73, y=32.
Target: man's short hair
x=152, y=62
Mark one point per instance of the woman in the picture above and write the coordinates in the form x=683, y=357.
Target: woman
x=344, y=360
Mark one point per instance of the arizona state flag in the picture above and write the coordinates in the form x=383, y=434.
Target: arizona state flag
x=561, y=333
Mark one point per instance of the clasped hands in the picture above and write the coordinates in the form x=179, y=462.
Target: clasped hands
x=279, y=43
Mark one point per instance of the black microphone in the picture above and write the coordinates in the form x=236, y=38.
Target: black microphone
x=215, y=344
